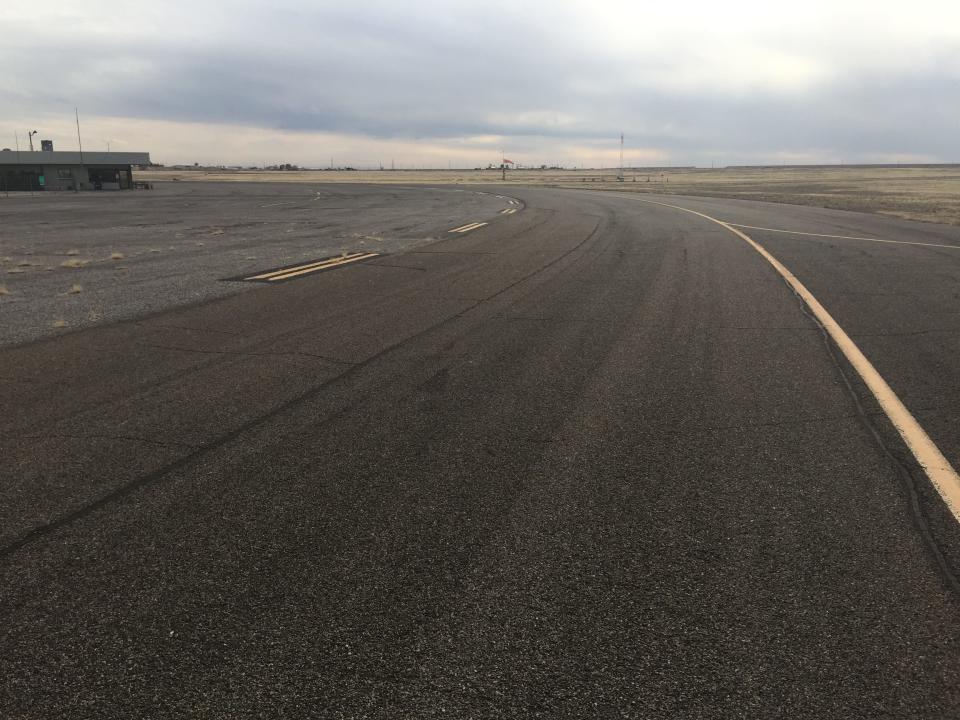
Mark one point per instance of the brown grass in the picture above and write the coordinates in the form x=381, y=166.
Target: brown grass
x=928, y=193
x=74, y=263
x=75, y=289
x=4, y=290
x=59, y=323
x=117, y=256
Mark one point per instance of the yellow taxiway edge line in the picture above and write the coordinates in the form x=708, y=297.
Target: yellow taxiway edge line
x=284, y=271
x=337, y=263
x=937, y=468
x=843, y=237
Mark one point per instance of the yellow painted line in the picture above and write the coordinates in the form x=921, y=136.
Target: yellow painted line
x=308, y=266
x=336, y=263
x=843, y=237
x=938, y=469
x=283, y=271
x=288, y=202
x=467, y=228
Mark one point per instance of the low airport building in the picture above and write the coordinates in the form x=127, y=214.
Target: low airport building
x=54, y=170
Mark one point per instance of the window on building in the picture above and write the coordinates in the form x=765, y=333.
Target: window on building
x=65, y=173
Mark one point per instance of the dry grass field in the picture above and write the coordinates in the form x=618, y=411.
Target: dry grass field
x=927, y=193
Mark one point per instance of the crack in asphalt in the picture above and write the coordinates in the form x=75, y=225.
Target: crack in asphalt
x=401, y=267
x=149, y=326
x=241, y=353
x=101, y=436
x=908, y=333
x=905, y=472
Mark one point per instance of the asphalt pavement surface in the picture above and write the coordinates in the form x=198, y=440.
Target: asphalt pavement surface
x=69, y=261
x=591, y=459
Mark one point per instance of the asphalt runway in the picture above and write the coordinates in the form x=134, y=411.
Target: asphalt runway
x=593, y=458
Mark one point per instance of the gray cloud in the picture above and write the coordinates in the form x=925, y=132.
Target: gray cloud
x=441, y=71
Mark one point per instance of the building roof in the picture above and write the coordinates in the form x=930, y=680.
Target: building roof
x=54, y=157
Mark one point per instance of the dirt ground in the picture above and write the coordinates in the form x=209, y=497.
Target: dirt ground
x=927, y=193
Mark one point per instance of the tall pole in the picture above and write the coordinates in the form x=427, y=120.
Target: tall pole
x=621, y=156
x=16, y=140
x=76, y=180
x=76, y=113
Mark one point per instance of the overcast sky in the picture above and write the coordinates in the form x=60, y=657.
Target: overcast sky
x=425, y=83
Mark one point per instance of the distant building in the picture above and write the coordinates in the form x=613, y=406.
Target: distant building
x=50, y=170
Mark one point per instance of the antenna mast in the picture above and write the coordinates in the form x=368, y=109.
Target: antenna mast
x=621, y=158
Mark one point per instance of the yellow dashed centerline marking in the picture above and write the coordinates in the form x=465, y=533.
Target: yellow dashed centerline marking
x=297, y=270
x=937, y=468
